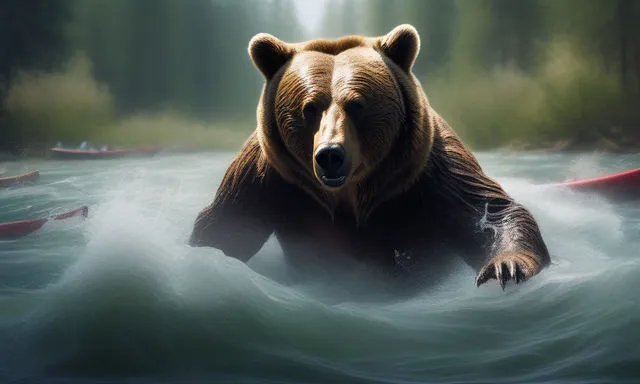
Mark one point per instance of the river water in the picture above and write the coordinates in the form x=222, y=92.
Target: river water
x=119, y=297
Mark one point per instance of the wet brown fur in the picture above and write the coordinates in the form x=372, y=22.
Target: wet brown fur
x=423, y=193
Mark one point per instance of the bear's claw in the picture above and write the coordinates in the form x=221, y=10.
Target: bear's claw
x=517, y=267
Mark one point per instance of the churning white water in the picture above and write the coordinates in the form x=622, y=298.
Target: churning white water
x=120, y=296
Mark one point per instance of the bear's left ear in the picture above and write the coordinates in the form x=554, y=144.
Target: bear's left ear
x=269, y=53
x=401, y=45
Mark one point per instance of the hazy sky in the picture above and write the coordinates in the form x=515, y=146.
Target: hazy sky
x=310, y=12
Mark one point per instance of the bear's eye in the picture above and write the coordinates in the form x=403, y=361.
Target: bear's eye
x=354, y=109
x=310, y=112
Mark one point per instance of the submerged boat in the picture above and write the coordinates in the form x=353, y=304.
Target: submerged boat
x=15, y=229
x=620, y=186
x=10, y=181
x=97, y=154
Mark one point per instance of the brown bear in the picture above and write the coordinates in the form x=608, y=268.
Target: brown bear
x=349, y=156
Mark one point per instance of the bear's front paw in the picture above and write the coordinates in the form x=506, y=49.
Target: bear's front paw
x=516, y=266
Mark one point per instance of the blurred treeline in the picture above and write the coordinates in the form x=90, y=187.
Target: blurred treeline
x=526, y=72
x=132, y=71
x=176, y=72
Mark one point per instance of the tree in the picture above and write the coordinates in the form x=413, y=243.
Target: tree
x=32, y=36
x=435, y=20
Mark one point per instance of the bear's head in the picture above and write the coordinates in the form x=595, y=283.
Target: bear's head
x=345, y=114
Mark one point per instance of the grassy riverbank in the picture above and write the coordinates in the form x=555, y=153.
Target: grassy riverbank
x=70, y=106
x=570, y=102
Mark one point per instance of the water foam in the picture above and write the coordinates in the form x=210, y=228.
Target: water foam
x=137, y=300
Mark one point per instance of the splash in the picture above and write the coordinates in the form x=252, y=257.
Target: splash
x=584, y=167
x=134, y=300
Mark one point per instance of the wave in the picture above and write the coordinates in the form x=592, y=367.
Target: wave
x=133, y=300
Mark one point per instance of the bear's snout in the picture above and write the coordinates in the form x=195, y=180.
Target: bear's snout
x=331, y=165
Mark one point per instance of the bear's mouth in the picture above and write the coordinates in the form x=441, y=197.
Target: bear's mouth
x=333, y=182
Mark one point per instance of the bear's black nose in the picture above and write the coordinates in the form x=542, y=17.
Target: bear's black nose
x=331, y=164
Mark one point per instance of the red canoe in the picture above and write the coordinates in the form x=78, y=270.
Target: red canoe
x=83, y=154
x=19, y=179
x=16, y=229
x=622, y=185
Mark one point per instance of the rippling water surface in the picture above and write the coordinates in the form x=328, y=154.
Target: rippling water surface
x=121, y=298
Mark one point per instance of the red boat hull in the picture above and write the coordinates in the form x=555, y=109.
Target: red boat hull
x=17, y=229
x=10, y=181
x=79, y=154
x=622, y=185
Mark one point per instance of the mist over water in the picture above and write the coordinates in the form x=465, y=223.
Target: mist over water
x=121, y=296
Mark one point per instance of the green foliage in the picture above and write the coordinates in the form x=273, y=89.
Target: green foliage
x=583, y=98
x=31, y=35
x=172, y=130
x=435, y=19
x=169, y=71
x=188, y=55
x=71, y=107
x=380, y=15
x=568, y=98
x=65, y=105
x=187, y=59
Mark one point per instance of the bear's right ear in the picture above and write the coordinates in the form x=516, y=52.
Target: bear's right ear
x=269, y=53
